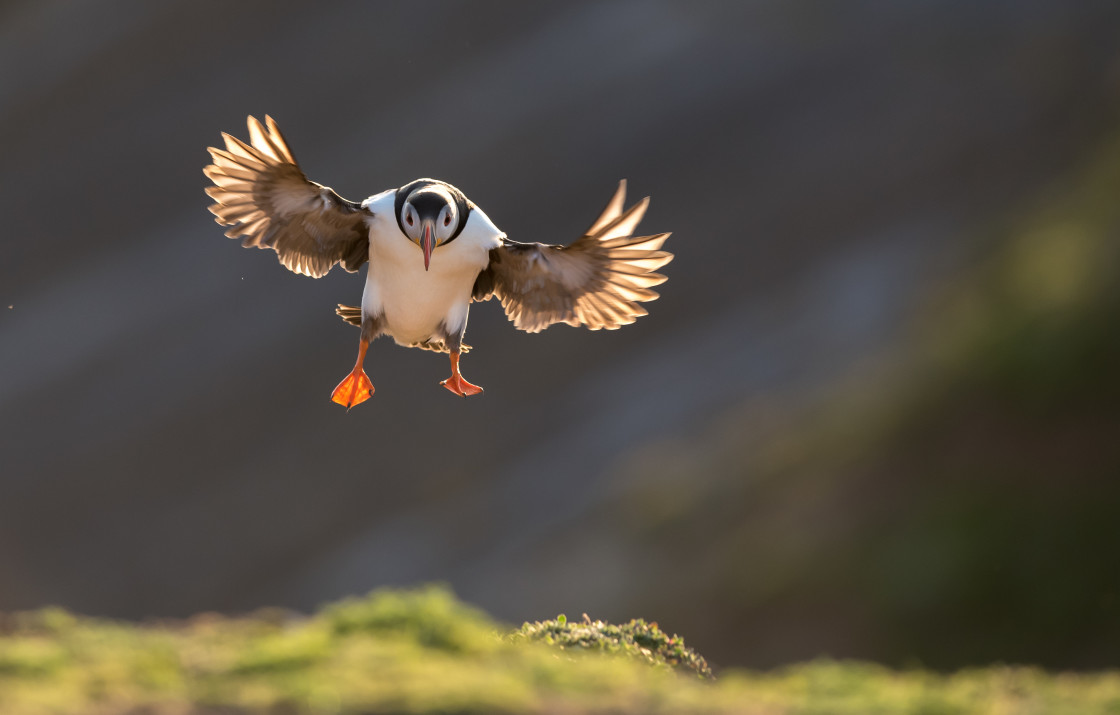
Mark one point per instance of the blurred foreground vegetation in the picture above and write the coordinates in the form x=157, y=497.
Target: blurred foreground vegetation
x=425, y=652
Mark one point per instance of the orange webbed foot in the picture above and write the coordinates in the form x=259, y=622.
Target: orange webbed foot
x=458, y=384
x=355, y=389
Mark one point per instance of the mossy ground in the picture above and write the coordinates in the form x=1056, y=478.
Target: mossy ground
x=425, y=652
x=636, y=639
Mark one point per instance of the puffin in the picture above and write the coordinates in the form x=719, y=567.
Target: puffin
x=431, y=252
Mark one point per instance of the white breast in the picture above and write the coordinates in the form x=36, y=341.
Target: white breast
x=415, y=303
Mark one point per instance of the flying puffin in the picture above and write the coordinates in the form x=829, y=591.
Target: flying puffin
x=431, y=253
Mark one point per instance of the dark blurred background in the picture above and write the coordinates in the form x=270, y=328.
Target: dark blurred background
x=875, y=414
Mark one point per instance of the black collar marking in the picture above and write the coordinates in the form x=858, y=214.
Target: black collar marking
x=461, y=203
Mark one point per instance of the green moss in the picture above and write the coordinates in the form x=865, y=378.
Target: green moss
x=636, y=639
x=425, y=652
x=29, y=657
x=434, y=617
x=285, y=651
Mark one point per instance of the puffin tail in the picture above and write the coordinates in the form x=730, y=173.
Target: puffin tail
x=353, y=315
x=350, y=314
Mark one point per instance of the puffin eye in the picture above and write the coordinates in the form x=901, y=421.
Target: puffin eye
x=447, y=220
x=408, y=218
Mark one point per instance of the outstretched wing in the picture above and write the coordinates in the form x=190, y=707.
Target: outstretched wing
x=597, y=281
x=262, y=193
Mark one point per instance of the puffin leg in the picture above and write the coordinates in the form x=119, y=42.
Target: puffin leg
x=457, y=383
x=356, y=387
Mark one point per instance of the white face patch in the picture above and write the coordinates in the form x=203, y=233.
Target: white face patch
x=411, y=222
x=433, y=206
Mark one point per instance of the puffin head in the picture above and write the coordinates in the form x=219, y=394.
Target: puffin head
x=429, y=217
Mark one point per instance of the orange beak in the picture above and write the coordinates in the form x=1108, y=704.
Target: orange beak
x=427, y=242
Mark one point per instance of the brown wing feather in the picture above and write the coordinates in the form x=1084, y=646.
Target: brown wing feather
x=597, y=281
x=262, y=193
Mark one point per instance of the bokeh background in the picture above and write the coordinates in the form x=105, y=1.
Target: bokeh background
x=875, y=414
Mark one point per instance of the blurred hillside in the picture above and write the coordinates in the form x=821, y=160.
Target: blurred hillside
x=950, y=500
x=872, y=415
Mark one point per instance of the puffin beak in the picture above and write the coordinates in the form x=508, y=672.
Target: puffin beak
x=427, y=242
